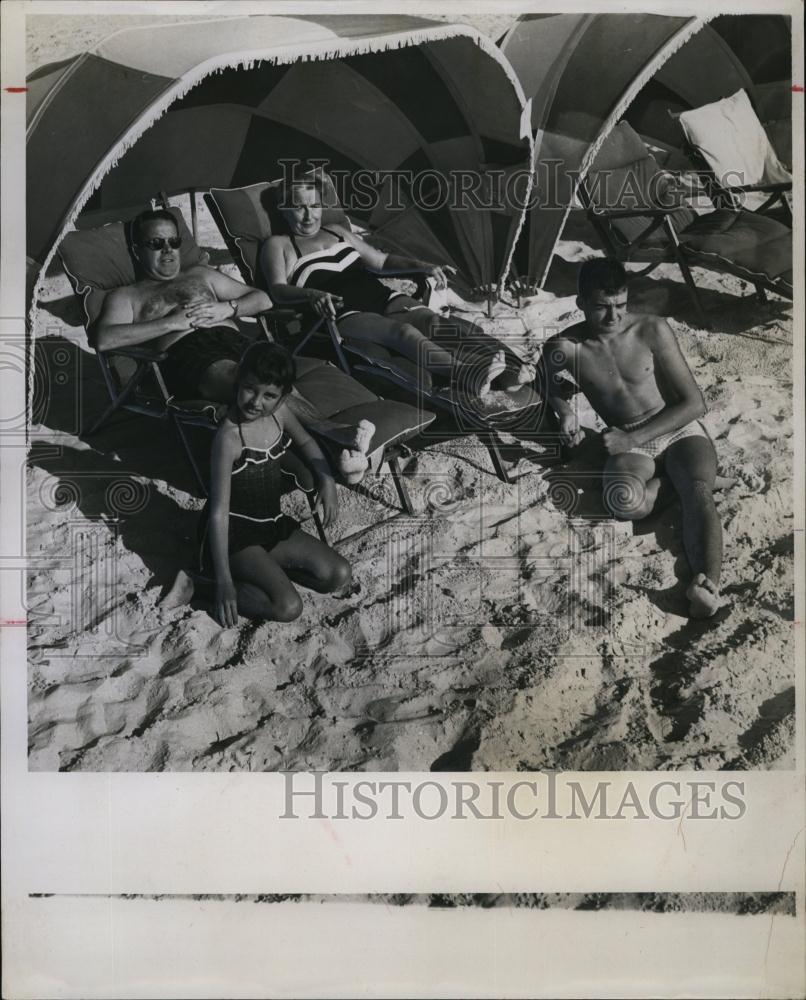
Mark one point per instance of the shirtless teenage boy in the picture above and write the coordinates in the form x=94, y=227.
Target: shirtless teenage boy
x=190, y=315
x=634, y=375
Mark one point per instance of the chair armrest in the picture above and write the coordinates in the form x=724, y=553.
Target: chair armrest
x=138, y=352
x=633, y=213
x=398, y=272
x=764, y=188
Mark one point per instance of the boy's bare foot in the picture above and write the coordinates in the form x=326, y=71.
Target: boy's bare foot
x=724, y=482
x=181, y=592
x=703, y=597
x=352, y=466
x=496, y=367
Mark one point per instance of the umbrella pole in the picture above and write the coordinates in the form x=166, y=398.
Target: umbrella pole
x=193, y=215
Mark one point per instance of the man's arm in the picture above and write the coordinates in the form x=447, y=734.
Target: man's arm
x=234, y=299
x=688, y=403
x=556, y=355
x=116, y=327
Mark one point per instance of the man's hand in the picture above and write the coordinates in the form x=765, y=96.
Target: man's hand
x=617, y=441
x=226, y=603
x=571, y=434
x=327, y=503
x=203, y=313
x=323, y=303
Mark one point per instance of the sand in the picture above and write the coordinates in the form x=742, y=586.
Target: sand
x=503, y=627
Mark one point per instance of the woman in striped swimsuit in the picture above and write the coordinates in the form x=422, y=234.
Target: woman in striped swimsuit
x=328, y=267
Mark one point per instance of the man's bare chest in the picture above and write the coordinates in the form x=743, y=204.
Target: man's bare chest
x=160, y=300
x=629, y=363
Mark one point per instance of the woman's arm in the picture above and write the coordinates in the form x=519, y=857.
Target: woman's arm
x=225, y=450
x=391, y=263
x=313, y=457
x=274, y=267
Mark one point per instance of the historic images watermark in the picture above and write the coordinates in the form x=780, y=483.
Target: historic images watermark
x=550, y=795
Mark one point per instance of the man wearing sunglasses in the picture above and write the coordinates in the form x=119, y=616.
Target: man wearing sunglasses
x=190, y=315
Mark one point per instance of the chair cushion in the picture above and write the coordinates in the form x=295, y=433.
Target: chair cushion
x=98, y=260
x=733, y=142
x=340, y=397
x=329, y=389
x=250, y=215
x=384, y=361
x=625, y=175
x=743, y=243
x=394, y=422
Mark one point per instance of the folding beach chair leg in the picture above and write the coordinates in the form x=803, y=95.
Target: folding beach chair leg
x=317, y=520
x=334, y=336
x=685, y=270
x=692, y=288
x=189, y=455
x=400, y=485
x=117, y=402
x=497, y=460
x=98, y=424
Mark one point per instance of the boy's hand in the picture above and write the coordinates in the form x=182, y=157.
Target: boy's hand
x=327, y=503
x=226, y=604
x=617, y=441
x=571, y=434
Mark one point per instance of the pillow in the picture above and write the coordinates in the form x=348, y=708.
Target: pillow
x=732, y=140
x=249, y=215
x=98, y=260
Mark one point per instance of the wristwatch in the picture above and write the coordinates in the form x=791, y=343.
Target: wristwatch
x=234, y=304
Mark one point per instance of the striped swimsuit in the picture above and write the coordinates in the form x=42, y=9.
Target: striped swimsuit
x=255, y=517
x=339, y=270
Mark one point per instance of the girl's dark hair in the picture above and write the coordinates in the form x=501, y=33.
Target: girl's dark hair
x=270, y=364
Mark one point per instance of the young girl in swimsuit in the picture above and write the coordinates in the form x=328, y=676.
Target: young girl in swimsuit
x=328, y=267
x=256, y=552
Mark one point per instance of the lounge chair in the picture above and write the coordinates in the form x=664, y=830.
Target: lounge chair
x=623, y=193
x=248, y=215
x=735, y=159
x=98, y=260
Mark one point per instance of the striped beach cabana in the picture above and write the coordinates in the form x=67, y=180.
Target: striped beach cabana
x=222, y=102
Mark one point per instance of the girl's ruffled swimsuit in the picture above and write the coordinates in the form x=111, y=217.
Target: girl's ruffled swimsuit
x=255, y=517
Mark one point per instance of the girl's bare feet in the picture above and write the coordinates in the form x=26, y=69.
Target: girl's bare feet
x=352, y=465
x=703, y=597
x=363, y=436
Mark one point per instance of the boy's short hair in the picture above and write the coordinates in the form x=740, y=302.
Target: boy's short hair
x=151, y=215
x=601, y=274
x=270, y=364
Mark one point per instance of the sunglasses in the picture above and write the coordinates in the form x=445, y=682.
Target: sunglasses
x=162, y=243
